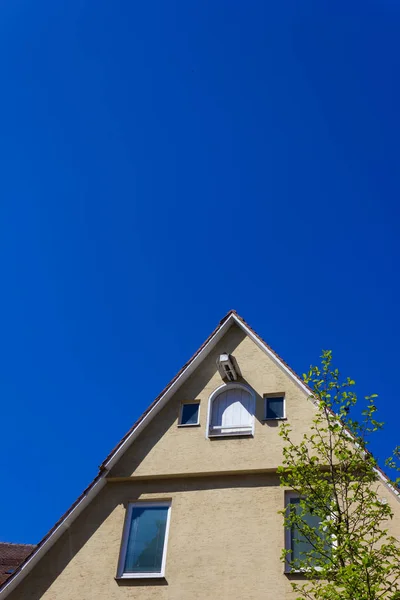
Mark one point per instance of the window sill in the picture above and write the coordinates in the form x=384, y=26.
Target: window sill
x=229, y=435
x=289, y=571
x=272, y=419
x=188, y=425
x=144, y=581
x=293, y=575
x=140, y=576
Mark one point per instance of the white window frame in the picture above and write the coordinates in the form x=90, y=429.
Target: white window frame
x=180, y=424
x=288, y=536
x=222, y=388
x=275, y=395
x=125, y=538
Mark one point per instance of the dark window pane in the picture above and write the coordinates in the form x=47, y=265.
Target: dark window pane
x=275, y=408
x=190, y=414
x=146, y=539
x=300, y=545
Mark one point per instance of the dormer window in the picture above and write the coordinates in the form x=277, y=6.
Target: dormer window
x=231, y=411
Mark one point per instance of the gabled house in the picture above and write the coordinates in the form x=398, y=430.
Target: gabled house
x=185, y=506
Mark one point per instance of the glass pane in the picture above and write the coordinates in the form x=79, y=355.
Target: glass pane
x=299, y=543
x=146, y=539
x=275, y=408
x=190, y=414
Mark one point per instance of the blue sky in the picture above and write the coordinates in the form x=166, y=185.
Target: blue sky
x=161, y=163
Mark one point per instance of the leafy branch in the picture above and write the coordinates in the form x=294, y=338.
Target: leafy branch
x=345, y=551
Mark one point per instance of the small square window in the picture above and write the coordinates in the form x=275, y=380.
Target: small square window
x=275, y=407
x=189, y=414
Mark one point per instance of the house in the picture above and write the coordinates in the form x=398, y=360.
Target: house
x=185, y=506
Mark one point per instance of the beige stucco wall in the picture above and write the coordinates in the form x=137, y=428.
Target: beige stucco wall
x=164, y=448
x=225, y=542
x=225, y=535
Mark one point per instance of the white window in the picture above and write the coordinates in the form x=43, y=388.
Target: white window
x=297, y=542
x=231, y=411
x=144, y=541
x=189, y=414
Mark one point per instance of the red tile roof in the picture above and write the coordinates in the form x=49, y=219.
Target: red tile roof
x=11, y=556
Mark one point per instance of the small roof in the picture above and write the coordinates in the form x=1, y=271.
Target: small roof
x=11, y=556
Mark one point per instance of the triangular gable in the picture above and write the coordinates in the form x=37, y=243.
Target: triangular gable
x=231, y=318
x=100, y=480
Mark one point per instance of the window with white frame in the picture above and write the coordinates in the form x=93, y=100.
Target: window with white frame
x=189, y=414
x=231, y=411
x=144, y=541
x=298, y=542
x=274, y=406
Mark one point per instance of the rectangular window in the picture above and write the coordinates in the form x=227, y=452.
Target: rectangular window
x=297, y=542
x=144, y=543
x=275, y=407
x=189, y=414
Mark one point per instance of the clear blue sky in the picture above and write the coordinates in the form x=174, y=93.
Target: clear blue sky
x=161, y=163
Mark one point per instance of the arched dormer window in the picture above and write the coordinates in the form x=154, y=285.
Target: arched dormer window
x=231, y=411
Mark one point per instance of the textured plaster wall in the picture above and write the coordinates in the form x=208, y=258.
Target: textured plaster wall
x=164, y=448
x=225, y=541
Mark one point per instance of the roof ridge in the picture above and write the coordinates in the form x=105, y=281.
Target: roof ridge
x=293, y=372
x=230, y=312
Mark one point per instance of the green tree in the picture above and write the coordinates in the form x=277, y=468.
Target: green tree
x=339, y=522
